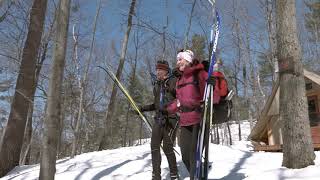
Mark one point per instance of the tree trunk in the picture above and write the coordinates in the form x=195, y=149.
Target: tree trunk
x=189, y=25
x=140, y=131
x=27, y=138
x=11, y=141
x=237, y=102
x=164, y=54
x=272, y=37
x=76, y=124
x=237, y=64
x=124, y=143
x=25, y=154
x=109, y=113
x=61, y=127
x=53, y=111
x=251, y=78
x=132, y=79
x=260, y=88
x=297, y=143
x=217, y=134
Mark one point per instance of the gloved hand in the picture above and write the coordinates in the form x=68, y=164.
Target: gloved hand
x=212, y=81
x=163, y=111
x=136, y=112
x=176, y=72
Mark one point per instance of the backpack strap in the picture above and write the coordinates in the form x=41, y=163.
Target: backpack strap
x=169, y=87
x=195, y=81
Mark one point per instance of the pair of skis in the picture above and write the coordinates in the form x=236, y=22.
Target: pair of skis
x=131, y=101
x=202, y=151
x=126, y=93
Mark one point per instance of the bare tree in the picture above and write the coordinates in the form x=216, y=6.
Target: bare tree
x=82, y=81
x=25, y=155
x=229, y=132
x=189, y=25
x=270, y=10
x=11, y=141
x=5, y=14
x=132, y=81
x=237, y=64
x=297, y=143
x=53, y=111
x=249, y=76
x=109, y=113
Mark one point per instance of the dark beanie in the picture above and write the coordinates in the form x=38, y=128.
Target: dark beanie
x=162, y=65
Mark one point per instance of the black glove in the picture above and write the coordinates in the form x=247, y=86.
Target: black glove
x=176, y=72
x=133, y=111
x=143, y=108
x=163, y=111
x=212, y=81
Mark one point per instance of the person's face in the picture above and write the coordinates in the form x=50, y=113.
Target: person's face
x=162, y=74
x=182, y=64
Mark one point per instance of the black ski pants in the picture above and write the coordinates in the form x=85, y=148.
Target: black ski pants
x=188, y=146
x=160, y=133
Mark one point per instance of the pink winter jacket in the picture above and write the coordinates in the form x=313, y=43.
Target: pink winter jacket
x=189, y=95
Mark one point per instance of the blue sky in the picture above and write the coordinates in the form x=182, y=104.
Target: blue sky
x=112, y=22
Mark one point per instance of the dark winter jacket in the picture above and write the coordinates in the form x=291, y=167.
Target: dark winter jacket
x=189, y=95
x=169, y=94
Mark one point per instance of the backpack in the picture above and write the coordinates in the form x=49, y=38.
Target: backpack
x=222, y=110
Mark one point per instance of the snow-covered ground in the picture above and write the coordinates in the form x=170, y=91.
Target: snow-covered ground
x=229, y=163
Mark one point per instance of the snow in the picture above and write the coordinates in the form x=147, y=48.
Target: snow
x=228, y=162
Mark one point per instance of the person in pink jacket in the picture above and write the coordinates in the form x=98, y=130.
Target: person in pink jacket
x=190, y=85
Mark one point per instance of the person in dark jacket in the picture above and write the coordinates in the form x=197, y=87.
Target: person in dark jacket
x=188, y=103
x=164, y=127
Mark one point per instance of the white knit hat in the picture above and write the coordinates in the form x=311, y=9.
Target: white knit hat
x=187, y=55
